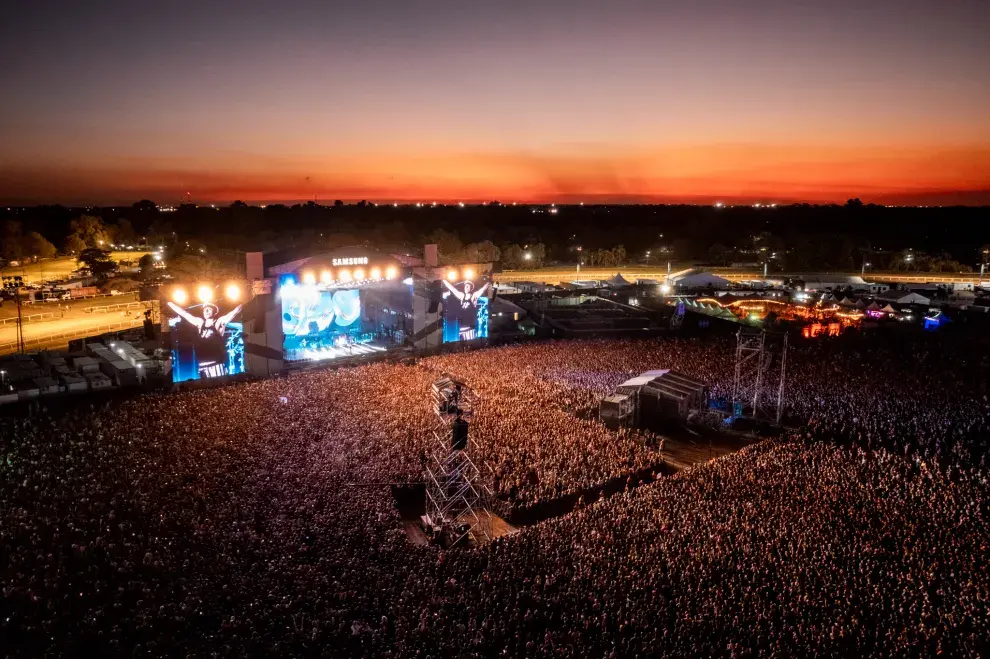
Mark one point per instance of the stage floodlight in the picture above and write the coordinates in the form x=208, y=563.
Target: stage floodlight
x=204, y=293
x=345, y=275
x=233, y=292
x=451, y=275
x=468, y=273
x=359, y=274
x=376, y=273
x=179, y=296
x=390, y=272
x=326, y=276
x=309, y=278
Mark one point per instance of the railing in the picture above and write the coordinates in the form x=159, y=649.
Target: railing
x=118, y=307
x=65, y=337
x=32, y=318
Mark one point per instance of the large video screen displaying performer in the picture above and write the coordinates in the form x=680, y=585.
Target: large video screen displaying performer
x=323, y=323
x=465, y=310
x=207, y=338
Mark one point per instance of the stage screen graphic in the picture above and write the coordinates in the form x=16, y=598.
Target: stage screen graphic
x=465, y=310
x=321, y=323
x=207, y=338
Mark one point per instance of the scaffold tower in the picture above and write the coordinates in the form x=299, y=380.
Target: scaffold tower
x=457, y=495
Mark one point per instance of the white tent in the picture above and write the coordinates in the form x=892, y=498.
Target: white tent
x=701, y=280
x=617, y=280
x=889, y=309
x=873, y=306
x=913, y=298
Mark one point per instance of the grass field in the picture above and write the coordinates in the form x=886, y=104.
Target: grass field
x=61, y=267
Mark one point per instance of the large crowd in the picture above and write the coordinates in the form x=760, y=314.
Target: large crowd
x=259, y=519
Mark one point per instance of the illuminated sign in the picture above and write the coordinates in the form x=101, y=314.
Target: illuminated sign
x=352, y=260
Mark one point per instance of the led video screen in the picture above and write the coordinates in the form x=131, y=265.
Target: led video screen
x=321, y=323
x=465, y=310
x=207, y=337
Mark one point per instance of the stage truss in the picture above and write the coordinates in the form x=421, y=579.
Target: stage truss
x=457, y=496
x=760, y=374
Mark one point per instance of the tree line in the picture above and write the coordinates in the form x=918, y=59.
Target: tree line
x=798, y=237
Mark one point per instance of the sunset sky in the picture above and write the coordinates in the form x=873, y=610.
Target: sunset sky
x=733, y=100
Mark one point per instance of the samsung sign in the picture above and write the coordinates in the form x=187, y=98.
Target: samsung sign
x=356, y=260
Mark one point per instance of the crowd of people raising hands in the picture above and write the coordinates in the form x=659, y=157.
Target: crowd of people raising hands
x=259, y=518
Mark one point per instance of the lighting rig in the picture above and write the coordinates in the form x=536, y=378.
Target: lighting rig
x=457, y=499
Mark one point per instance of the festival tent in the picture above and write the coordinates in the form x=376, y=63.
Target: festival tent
x=889, y=309
x=617, y=281
x=873, y=306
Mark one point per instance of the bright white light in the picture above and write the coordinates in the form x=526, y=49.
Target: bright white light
x=527, y=256
x=407, y=281
x=390, y=272
x=665, y=289
x=359, y=273
x=451, y=275
x=468, y=273
x=326, y=276
x=376, y=273
x=179, y=296
x=461, y=204
x=345, y=275
x=309, y=277
x=233, y=292
x=204, y=293
x=719, y=204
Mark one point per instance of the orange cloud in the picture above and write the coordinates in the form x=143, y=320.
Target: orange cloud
x=683, y=173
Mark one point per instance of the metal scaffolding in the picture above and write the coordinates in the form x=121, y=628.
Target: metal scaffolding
x=760, y=374
x=457, y=497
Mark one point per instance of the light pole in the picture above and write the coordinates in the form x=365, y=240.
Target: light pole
x=579, y=258
x=865, y=266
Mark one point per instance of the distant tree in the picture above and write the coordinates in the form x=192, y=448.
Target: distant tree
x=37, y=246
x=73, y=244
x=99, y=262
x=145, y=206
x=854, y=203
x=362, y=204
x=512, y=257
x=618, y=253
x=448, y=244
x=13, y=241
x=147, y=265
x=91, y=231
x=123, y=232
x=188, y=267
x=483, y=252
x=160, y=232
x=337, y=203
